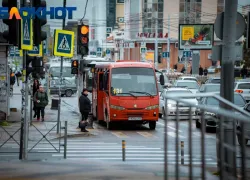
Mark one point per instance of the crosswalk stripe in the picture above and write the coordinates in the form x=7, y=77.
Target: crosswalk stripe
x=173, y=134
x=119, y=134
x=146, y=134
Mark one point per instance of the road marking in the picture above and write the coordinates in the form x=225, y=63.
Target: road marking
x=117, y=151
x=9, y=155
x=170, y=127
x=119, y=134
x=146, y=134
x=173, y=134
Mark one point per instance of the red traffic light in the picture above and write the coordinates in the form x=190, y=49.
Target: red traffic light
x=74, y=63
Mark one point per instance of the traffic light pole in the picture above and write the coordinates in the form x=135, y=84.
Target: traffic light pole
x=61, y=79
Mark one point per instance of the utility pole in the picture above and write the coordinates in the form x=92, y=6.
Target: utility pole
x=156, y=43
x=227, y=76
x=25, y=96
x=168, y=48
x=61, y=80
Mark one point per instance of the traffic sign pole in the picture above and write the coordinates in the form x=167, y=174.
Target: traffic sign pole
x=61, y=79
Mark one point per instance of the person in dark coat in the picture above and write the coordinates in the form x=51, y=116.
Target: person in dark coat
x=36, y=85
x=243, y=72
x=85, y=108
x=18, y=76
x=201, y=71
x=41, y=100
x=205, y=72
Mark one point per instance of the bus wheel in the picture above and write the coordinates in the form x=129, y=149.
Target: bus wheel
x=68, y=93
x=152, y=125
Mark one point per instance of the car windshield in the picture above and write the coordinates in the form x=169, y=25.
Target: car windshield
x=212, y=88
x=179, y=93
x=55, y=72
x=135, y=81
x=217, y=81
x=189, y=85
x=238, y=100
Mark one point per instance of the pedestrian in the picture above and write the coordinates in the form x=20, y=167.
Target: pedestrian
x=243, y=72
x=205, y=72
x=41, y=101
x=201, y=71
x=85, y=108
x=12, y=78
x=36, y=85
x=18, y=76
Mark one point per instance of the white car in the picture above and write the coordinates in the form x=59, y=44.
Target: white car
x=193, y=86
x=243, y=88
x=171, y=106
x=188, y=78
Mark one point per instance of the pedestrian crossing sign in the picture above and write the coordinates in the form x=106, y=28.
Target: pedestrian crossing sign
x=36, y=51
x=64, y=43
x=26, y=33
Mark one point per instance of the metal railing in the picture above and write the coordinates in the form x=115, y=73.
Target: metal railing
x=229, y=120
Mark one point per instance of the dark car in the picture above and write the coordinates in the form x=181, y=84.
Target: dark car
x=205, y=88
x=211, y=118
x=68, y=88
x=213, y=80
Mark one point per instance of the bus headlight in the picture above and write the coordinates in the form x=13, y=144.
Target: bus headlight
x=116, y=107
x=152, y=107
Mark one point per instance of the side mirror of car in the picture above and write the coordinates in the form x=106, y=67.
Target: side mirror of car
x=162, y=81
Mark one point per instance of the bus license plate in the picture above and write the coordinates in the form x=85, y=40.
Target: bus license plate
x=135, y=118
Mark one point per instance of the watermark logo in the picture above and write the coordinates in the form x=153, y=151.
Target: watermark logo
x=41, y=12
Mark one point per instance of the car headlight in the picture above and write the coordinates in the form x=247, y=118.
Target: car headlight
x=116, y=107
x=152, y=107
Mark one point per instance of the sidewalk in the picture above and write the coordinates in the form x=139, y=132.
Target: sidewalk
x=68, y=114
x=92, y=170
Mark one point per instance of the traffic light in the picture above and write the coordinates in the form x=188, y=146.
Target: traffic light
x=83, y=40
x=74, y=67
x=34, y=65
x=13, y=34
x=39, y=35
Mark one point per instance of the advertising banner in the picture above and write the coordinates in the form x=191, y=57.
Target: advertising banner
x=196, y=36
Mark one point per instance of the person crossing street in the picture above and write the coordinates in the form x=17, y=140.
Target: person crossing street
x=85, y=108
x=41, y=101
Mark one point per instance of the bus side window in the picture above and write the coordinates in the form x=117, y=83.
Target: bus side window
x=101, y=82
x=106, y=81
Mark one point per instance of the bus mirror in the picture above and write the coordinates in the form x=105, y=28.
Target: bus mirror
x=162, y=81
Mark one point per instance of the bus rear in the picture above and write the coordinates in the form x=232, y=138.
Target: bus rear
x=133, y=94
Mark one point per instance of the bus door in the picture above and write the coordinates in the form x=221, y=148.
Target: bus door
x=100, y=96
x=106, y=93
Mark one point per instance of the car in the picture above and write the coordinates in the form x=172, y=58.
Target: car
x=188, y=78
x=205, y=88
x=213, y=80
x=160, y=87
x=183, y=109
x=68, y=88
x=244, y=80
x=247, y=127
x=191, y=85
x=243, y=88
x=213, y=69
x=212, y=118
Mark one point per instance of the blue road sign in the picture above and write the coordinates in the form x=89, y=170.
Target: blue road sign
x=107, y=51
x=187, y=53
x=26, y=34
x=165, y=54
x=99, y=49
x=64, y=43
x=36, y=51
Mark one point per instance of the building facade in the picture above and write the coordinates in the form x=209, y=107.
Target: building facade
x=161, y=18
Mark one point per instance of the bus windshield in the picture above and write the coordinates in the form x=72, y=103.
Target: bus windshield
x=133, y=81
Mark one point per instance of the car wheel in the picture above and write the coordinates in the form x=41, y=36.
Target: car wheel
x=68, y=93
x=198, y=125
x=152, y=125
